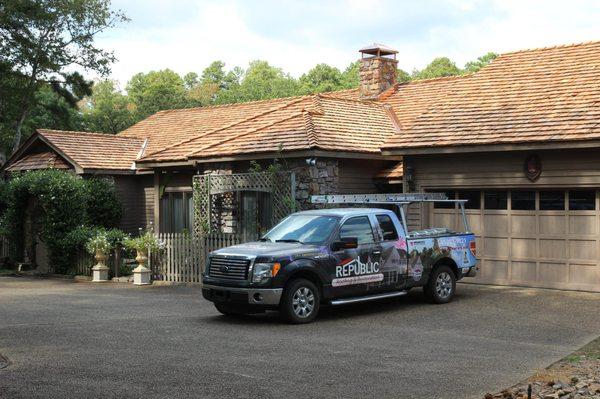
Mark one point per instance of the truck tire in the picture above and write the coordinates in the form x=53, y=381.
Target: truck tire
x=300, y=301
x=441, y=285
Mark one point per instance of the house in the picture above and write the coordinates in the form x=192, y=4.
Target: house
x=517, y=139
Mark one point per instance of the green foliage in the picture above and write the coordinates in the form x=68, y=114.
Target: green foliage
x=156, y=90
x=480, y=62
x=98, y=243
x=62, y=204
x=321, y=78
x=439, y=67
x=107, y=110
x=102, y=202
x=143, y=242
x=40, y=43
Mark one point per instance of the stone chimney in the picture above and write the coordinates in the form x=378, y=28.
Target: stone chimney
x=378, y=67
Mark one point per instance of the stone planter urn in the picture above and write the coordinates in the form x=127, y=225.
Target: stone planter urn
x=100, y=271
x=141, y=274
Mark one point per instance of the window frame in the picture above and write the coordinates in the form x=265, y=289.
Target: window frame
x=385, y=215
x=168, y=226
x=338, y=236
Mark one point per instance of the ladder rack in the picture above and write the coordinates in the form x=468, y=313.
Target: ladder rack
x=402, y=201
x=381, y=198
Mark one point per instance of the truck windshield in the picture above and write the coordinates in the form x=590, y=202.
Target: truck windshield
x=305, y=229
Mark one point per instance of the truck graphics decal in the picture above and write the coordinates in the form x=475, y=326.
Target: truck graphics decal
x=424, y=253
x=353, y=271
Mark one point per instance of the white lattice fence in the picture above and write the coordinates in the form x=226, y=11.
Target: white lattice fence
x=183, y=256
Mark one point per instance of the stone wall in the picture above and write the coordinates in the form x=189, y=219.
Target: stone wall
x=319, y=179
x=377, y=74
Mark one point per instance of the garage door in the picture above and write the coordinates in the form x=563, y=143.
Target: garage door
x=535, y=238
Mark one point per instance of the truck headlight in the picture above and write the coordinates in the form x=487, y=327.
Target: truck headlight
x=263, y=271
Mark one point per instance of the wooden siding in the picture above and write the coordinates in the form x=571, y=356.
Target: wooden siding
x=357, y=175
x=131, y=196
x=539, y=248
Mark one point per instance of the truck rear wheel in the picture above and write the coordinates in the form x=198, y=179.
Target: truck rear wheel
x=300, y=301
x=441, y=285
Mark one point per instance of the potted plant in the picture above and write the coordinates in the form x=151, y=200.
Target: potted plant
x=99, y=246
x=142, y=244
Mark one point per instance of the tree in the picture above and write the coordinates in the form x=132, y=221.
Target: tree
x=155, y=91
x=40, y=40
x=474, y=66
x=321, y=78
x=439, y=67
x=350, y=76
x=260, y=81
x=107, y=110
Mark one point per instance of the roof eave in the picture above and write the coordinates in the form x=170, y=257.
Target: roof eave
x=461, y=149
x=29, y=142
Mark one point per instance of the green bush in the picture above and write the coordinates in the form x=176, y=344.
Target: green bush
x=103, y=206
x=69, y=212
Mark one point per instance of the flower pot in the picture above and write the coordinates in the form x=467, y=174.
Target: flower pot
x=100, y=271
x=141, y=274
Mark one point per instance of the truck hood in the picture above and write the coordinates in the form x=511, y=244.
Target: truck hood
x=271, y=249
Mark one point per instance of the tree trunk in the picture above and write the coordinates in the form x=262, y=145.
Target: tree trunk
x=17, y=140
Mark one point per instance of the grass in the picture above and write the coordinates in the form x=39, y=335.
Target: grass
x=7, y=272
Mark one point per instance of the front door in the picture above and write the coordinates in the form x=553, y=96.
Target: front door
x=357, y=271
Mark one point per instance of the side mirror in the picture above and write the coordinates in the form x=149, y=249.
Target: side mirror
x=345, y=243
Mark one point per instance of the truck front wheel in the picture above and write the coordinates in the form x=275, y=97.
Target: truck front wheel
x=441, y=285
x=300, y=301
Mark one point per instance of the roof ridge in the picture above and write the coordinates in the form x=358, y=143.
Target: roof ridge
x=577, y=44
x=254, y=116
x=374, y=103
x=311, y=133
x=213, y=106
x=236, y=136
x=73, y=132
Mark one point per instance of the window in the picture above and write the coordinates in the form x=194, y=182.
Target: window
x=359, y=227
x=582, y=200
x=445, y=205
x=522, y=200
x=387, y=227
x=307, y=229
x=473, y=197
x=552, y=200
x=176, y=212
x=495, y=200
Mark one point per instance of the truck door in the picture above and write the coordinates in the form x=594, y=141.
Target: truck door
x=394, y=259
x=356, y=271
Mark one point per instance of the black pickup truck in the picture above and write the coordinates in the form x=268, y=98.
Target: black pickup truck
x=334, y=257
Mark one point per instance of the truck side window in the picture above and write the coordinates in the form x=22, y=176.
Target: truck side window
x=359, y=227
x=387, y=228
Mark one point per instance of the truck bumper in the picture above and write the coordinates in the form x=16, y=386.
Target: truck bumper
x=472, y=272
x=242, y=296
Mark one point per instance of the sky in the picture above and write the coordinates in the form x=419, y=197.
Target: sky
x=187, y=35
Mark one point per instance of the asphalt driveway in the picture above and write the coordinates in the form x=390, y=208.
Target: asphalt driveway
x=66, y=339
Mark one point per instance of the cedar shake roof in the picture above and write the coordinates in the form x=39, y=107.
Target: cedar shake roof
x=393, y=172
x=322, y=121
x=95, y=150
x=83, y=151
x=531, y=96
x=40, y=160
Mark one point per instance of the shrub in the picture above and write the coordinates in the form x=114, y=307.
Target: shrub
x=67, y=209
x=102, y=203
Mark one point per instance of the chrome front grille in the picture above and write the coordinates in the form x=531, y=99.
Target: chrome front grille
x=229, y=268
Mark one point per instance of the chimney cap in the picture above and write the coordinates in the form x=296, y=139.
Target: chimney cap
x=378, y=50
